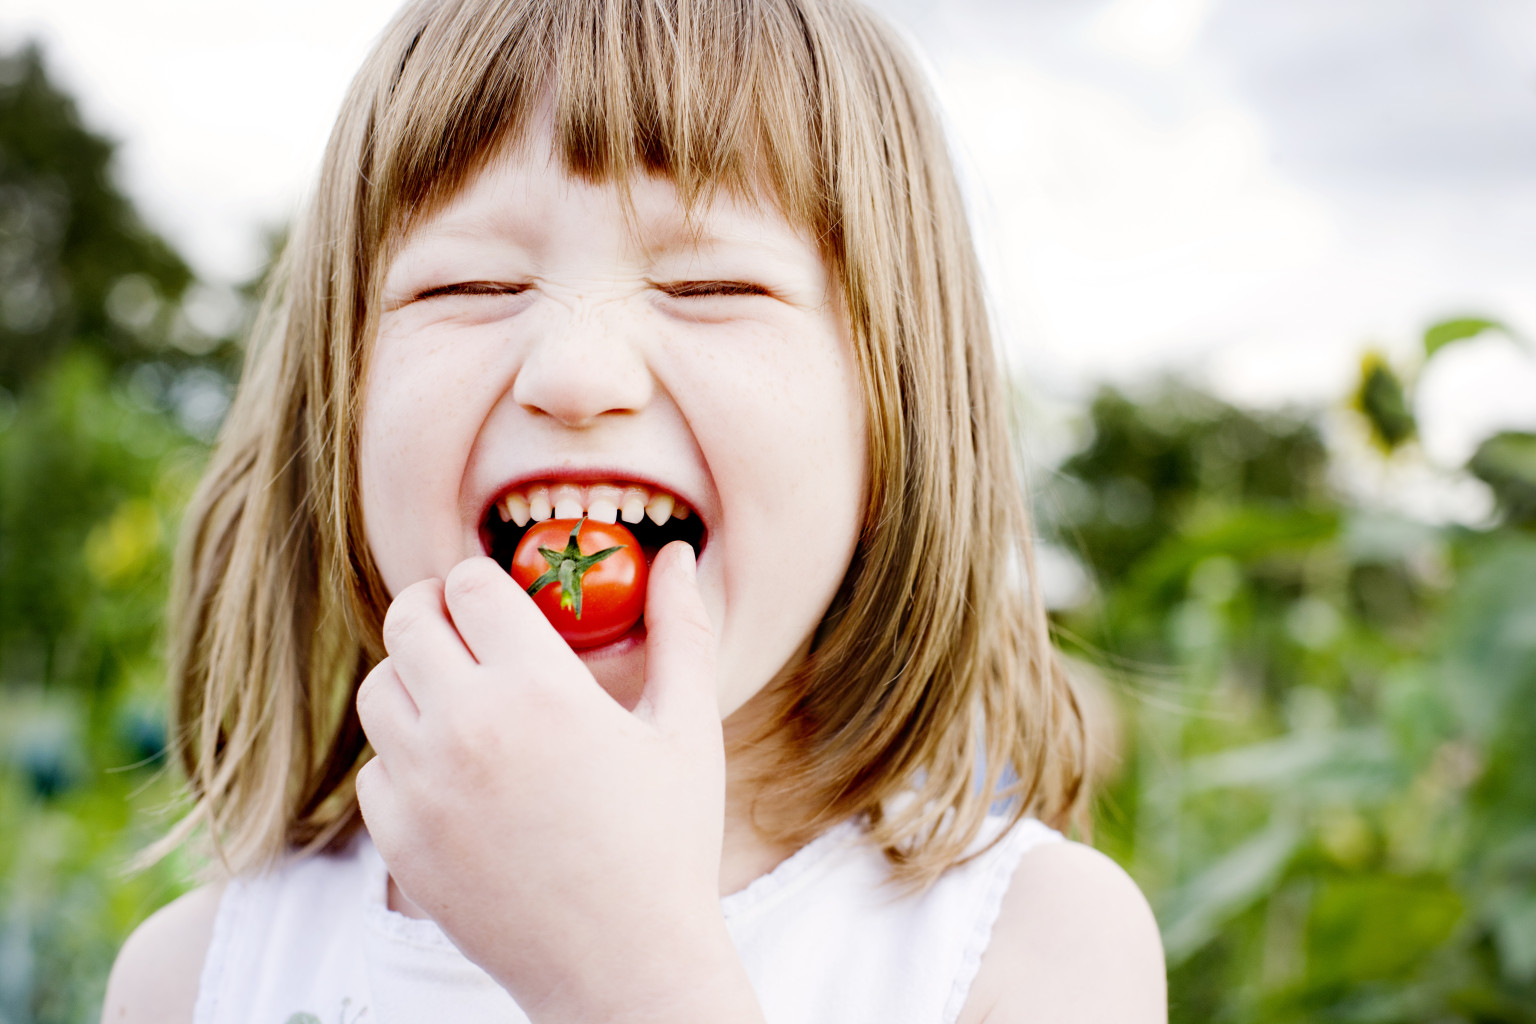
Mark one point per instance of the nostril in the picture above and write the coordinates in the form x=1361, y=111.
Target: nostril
x=583, y=375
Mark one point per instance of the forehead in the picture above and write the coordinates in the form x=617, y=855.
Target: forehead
x=525, y=195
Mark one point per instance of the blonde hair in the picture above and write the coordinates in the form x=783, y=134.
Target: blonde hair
x=932, y=674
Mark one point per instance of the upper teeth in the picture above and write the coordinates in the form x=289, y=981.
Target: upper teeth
x=605, y=503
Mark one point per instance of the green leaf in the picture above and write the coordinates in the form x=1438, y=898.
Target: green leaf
x=1195, y=912
x=1460, y=329
x=1377, y=927
x=1246, y=533
x=1515, y=933
x=1383, y=400
x=1343, y=762
x=1507, y=463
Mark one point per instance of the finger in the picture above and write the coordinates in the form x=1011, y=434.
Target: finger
x=679, y=645
x=375, y=799
x=422, y=642
x=499, y=623
x=385, y=708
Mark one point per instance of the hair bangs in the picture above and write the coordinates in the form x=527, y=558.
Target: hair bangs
x=707, y=95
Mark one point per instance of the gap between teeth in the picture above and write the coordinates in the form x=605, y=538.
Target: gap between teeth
x=606, y=503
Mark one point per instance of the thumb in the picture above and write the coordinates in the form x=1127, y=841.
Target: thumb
x=679, y=645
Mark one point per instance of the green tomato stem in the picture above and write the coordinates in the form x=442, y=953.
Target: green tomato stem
x=567, y=568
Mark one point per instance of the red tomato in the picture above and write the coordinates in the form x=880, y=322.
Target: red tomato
x=609, y=594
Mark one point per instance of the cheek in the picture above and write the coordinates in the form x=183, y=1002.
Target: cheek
x=783, y=429
x=418, y=421
x=781, y=412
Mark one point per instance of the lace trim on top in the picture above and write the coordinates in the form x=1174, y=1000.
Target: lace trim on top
x=1028, y=834
x=423, y=932
x=781, y=879
x=795, y=867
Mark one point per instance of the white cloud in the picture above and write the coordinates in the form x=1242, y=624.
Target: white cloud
x=1129, y=237
x=222, y=109
x=1222, y=188
x=1157, y=33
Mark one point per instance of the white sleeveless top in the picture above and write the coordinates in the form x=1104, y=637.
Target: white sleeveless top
x=821, y=937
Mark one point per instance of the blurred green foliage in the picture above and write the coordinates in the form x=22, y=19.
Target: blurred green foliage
x=1327, y=784
x=109, y=389
x=1325, y=781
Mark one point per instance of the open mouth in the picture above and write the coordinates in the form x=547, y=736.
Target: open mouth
x=655, y=516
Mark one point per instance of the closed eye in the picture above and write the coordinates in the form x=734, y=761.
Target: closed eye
x=694, y=289
x=469, y=288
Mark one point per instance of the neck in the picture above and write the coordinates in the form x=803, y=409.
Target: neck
x=748, y=851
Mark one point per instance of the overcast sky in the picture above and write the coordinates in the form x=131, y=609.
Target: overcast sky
x=1245, y=191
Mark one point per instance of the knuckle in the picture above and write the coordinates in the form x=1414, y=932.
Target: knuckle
x=693, y=630
x=365, y=784
x=471, y=578
x=368, y=690
x=398, y=622
x=409, y=610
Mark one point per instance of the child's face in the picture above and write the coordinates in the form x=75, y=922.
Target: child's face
x=534, y=335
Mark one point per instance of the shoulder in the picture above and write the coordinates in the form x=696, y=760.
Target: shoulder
x=157, y=971
x=1074, y=942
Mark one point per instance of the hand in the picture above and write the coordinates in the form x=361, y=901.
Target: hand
x=568, y=846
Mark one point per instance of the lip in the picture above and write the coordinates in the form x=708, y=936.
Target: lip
x=618, y=667
x=630, y=641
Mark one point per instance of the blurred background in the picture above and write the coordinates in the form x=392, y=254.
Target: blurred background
x=1264, y=278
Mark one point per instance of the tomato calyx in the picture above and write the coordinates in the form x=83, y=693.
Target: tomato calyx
x=602, y=562
x=567, y=567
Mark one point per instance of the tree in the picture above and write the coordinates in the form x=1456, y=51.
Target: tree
x=78, y=268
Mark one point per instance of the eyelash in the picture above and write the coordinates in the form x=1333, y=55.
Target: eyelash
x=693, y=289
x=469, y=288
x=675, y=289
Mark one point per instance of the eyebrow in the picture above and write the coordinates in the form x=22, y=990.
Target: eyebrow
x=702, y=242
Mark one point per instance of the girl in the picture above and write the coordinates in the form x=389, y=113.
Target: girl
x=701, y=266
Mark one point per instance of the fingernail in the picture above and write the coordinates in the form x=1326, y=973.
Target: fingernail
x=691, y=563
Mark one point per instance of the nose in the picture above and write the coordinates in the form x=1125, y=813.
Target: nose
x=583, y=369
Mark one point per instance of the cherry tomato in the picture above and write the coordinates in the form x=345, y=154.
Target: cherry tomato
x=607, y=596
